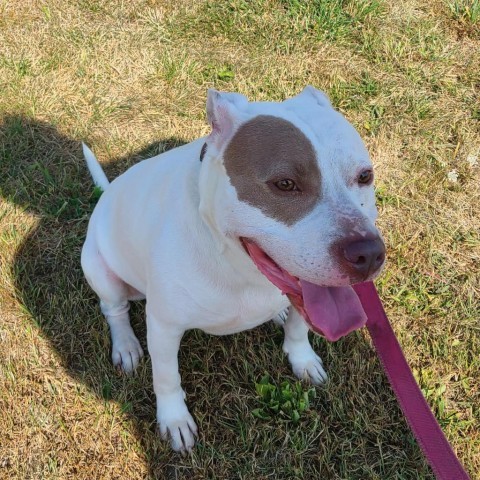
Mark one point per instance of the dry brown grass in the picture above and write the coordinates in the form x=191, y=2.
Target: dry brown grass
x=130, y=78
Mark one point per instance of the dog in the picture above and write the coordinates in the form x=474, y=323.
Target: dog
x=270, y=216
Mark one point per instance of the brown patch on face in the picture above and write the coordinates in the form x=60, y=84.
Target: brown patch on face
x=266, y=150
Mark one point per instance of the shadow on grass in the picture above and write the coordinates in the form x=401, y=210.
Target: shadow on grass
x=43, y=172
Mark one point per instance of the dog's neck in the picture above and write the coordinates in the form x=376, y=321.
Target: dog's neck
x=228, y=247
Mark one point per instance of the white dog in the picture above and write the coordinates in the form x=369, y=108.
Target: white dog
x=274, y=208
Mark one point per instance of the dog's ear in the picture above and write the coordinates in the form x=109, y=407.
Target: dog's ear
x=321, y=97
x=224, y=113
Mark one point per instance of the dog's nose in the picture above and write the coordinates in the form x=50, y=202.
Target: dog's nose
x=365, y=256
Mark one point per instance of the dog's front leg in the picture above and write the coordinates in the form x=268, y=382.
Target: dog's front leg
x=306, y=364
x=173, y=417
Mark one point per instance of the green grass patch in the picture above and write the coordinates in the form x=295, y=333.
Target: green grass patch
x=277, y=23
x=465, y=10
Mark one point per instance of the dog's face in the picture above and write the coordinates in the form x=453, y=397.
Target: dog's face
x=297, y=181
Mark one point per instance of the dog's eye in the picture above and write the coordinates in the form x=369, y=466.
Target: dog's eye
x=286, y=185
x=366, y=177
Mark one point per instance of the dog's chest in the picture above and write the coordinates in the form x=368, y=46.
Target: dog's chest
x=243, y=311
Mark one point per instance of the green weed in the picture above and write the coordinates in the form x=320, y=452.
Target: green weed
x=285, y=401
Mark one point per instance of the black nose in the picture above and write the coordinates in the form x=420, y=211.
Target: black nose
x=365, y=256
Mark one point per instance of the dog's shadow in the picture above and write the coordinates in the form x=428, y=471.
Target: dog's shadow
x=42, y=171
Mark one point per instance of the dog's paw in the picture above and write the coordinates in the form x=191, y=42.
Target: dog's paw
x=126, y=350
x=281, y=317
x=307, y=365
x=176, y=423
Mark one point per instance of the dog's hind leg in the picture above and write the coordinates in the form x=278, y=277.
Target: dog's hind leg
x=306, y=364
x=114, y=294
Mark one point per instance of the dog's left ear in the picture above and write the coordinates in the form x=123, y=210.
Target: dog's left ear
x=224, y=113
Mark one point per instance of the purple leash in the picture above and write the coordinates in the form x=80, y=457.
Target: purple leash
x=425, y=427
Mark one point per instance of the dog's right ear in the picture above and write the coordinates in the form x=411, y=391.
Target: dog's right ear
x=224, y=114
x=321, y=97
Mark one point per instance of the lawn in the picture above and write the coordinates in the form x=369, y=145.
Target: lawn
x=130, y=79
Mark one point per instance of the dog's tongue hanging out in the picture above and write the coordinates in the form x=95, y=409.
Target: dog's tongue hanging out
x=330, y=311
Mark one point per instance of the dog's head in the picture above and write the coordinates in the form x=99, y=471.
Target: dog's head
x=296, y=187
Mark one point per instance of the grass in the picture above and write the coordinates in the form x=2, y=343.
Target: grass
x=130, y=79
x=467, y=11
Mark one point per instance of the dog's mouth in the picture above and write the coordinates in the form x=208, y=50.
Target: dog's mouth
x=330, y=311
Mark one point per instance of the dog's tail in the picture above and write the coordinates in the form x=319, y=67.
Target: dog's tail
x=96, y=171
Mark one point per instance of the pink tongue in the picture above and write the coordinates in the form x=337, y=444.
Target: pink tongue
x=333, y=311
